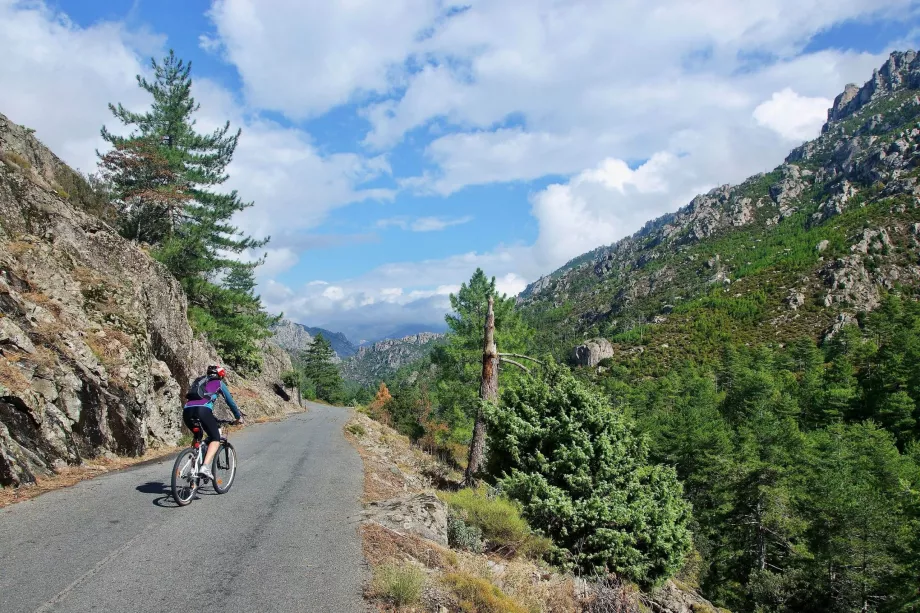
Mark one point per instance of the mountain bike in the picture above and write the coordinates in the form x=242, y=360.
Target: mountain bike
x=185, y=477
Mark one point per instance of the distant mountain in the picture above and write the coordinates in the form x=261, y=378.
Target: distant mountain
x=403, y=331
x=375, y=362
x=343, y=347
x=296, y=338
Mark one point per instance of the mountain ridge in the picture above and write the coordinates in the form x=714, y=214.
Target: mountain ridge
x=377, y=361
x=805, y=247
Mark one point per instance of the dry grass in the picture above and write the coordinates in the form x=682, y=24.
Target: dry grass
x=11, y=376
x=71, y=475
x=44, y=301
x=18, y=248
x=381, y=544
x=11, y=157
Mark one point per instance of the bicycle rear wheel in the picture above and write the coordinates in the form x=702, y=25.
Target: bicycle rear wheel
x=184, y=481
x=224, y=468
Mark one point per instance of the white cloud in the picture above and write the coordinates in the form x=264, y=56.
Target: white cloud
x=794, y=117
x=304, y=58
x=47, y=60
x=423, y=224
x=434, y=224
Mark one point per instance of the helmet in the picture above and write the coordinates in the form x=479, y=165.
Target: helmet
x=216, y=371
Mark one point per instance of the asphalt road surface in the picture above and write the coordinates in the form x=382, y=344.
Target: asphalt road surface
x=284, y=538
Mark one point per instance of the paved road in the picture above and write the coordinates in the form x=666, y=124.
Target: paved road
x=283, y=539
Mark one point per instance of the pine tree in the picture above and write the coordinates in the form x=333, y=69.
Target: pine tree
x=165, y=177
x=460, y=359
x=320, y=369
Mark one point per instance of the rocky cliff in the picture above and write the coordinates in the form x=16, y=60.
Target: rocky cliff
x=296, y=338
x=95, y=346
x=803, y=249
x=376, y=362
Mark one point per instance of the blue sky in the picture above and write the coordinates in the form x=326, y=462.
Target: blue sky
x=392, y=147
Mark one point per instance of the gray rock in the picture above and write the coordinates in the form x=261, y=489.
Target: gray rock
x=593, y=351
x=422, y=514
x=823, y=245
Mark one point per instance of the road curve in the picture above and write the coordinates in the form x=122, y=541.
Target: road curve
x=283, y=539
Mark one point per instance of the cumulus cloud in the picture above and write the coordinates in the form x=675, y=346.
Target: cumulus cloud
x=304, y=58
x=48, y=58
x=794, y=117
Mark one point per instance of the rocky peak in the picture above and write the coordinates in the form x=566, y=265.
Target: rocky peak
x=901, y=71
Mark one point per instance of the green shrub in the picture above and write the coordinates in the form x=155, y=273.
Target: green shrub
x=476, y=595
x=461, y=535
x=499, y=521
x=356, y=429
x=583, y=477
x=401, y=584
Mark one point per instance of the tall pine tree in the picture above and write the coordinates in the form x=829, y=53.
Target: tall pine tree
x=165, y=177
x=320, y=369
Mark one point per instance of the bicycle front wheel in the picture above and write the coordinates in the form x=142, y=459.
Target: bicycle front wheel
x=184, y=479
x=224, y=468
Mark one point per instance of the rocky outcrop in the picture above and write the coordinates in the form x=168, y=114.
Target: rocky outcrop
x=901, y=71
x=96, y=348
x=376, y=362
x=592, y=352
x=422, y=514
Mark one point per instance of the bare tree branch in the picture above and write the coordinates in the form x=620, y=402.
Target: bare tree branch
x=518, y=364
x=523, y=357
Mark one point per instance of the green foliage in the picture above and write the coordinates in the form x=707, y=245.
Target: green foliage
x=400, y=584
x=356, y=429
x=800, y=463
x=460, y=358
x=583, y=478
x=163, y=180
x=499, y=521
x=320, y=371
x=461, y=535
x=477, y=595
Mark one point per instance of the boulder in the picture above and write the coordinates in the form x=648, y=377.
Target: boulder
x=422, y=514
x=593, y=351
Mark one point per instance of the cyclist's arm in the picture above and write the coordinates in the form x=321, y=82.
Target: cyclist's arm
x=225, y=392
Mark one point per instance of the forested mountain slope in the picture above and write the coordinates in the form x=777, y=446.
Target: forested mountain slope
x=95, y=344
x=799, y=250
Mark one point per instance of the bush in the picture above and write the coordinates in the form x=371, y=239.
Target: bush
x=461, y=535
x=582, y=476
x=401, y=584
x=356, y=429
x=499, y=521
x=477, y=595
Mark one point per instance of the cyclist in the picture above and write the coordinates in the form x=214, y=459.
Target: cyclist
x=200, y=407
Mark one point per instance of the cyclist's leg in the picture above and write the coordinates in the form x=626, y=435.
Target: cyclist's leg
x=209, y=425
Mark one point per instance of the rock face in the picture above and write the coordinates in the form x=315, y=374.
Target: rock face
x=380, y=360
x=95, y=346
x=592, y=352
x=422, y=514
x=297, y=338
x=901, y=71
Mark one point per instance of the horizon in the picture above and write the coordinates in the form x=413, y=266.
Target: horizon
x=392, y=150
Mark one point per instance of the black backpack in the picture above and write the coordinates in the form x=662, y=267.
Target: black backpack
x=197, y=390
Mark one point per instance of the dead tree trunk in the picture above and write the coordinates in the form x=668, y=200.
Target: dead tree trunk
x=488, y=392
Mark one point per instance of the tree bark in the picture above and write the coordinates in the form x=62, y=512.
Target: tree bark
x=488, y=392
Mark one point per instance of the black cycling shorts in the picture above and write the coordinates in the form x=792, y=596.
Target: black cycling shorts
x=206, y=417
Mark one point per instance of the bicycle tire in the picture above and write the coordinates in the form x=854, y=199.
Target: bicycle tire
x=223, y=466
x=181, y=483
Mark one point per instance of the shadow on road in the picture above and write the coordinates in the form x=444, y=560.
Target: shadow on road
x=165, y=499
